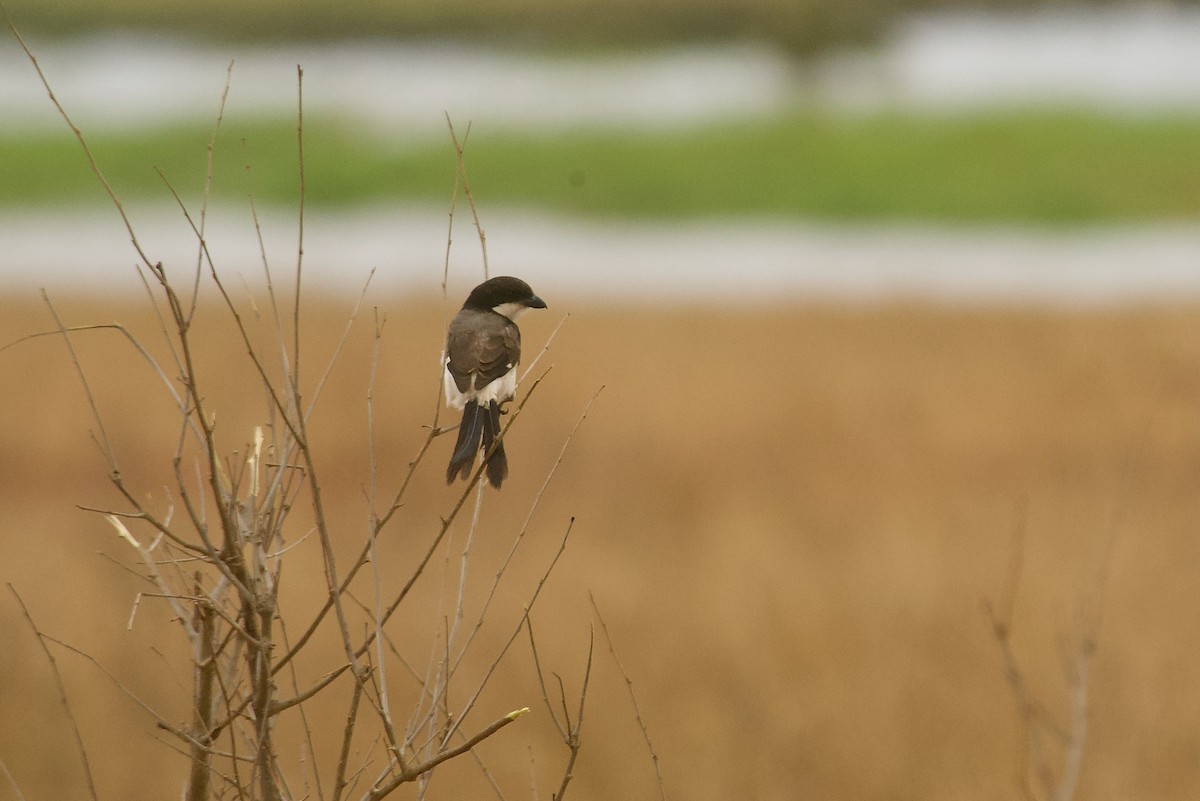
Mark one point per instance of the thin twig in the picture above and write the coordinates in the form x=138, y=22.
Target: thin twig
x=300, y=233
x=12, y=782
x=424, y=767
x=145, y=354
x=308, y=736
x=464, y=561
x=1036, y=721
x=62, y=694
x=537, y=499
x=201, y=251
x=106, y=444
x=430, y=551
x=562, y=546
x=574, y=739
x=152, y=566
x=92, y=163
x=459, y=153
x=339, y=783
x=380, y=677
x=549, y=341
x=637, y=712
x=537, y=667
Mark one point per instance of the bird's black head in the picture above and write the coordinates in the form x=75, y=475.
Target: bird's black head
x=503, y=291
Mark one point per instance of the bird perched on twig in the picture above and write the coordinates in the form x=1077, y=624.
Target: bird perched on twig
x=483, y=348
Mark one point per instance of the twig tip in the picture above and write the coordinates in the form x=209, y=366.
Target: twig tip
x=122, y=531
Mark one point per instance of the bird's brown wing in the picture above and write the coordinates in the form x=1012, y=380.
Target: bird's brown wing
x=480, y=348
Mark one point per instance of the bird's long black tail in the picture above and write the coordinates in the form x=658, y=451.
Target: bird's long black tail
x=469, y=432
x=479, y=428
x=497, y=465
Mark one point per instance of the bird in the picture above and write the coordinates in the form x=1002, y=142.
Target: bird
x=483, y=349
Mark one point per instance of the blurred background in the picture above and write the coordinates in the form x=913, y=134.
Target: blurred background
x=877, y=292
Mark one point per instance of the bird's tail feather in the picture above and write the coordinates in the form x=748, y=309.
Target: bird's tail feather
x=469, y=432
x=497, y=464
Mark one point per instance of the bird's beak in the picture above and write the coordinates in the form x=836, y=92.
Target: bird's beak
x=535, y=302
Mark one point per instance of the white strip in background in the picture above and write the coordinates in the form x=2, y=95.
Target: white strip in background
x=707, y=261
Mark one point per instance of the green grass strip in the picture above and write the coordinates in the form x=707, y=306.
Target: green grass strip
x=1022, y=166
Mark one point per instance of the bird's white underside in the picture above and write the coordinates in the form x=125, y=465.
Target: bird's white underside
x=500, y=390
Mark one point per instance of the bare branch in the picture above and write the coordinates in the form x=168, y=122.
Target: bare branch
x=200, y=757
x=459, y=151
x=424, y=767
x=637, y=712
x=300, y=233
x=562, y=546
x=91, y=160
x=537, y=666
x=152, y=566
x=71, y=329
x=106, y=444
x=573, y=740
x=537, y=499
x=339, y=782
x=221, y=575
x=420, y=568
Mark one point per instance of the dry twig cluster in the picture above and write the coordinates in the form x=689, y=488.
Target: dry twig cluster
x=215, y=548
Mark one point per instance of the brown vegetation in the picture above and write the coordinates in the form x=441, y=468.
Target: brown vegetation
x=789, y=518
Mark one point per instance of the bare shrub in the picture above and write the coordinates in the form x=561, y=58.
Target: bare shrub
x=215, y=544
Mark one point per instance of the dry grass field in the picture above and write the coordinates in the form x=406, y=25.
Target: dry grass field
x=790, y=519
